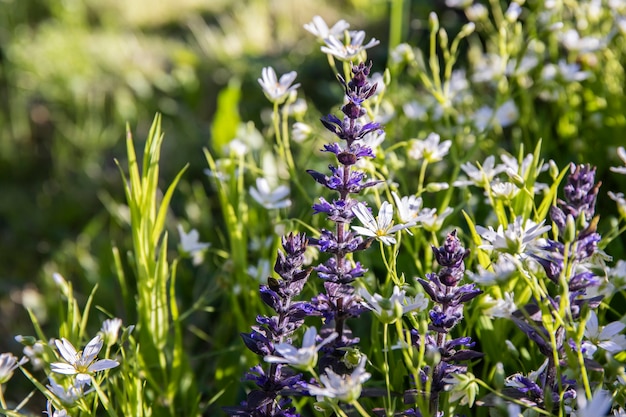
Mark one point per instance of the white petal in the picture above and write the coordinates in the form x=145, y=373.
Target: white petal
x=67, y=350
x=611, y=330
x=103, y=364
x=364, y=215
x=363, y=231
x=309, y=337
x=92, y=349
x=62, y=368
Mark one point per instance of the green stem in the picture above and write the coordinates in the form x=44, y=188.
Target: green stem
x=386, y=365
x=359, y=408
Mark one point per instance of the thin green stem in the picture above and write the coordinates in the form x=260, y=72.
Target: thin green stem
x=386, y=365
x=359, y=408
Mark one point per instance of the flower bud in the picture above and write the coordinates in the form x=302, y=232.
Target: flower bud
x=569, y=234
x=433, y=22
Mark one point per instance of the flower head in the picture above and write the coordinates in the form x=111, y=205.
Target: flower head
x=303, y=358
x=515, y=239
x=190, y=242
x=66, y=396
x=319, y=28
x=345, y=388
x=392, y=308
x=8, y=364
x=276, y=90
x=110, y=330
x=352, y=49
x=606, y=337
x=268, y=198
x=621, y=152
x=382, y=227
x=82, y=364
x=430, y=149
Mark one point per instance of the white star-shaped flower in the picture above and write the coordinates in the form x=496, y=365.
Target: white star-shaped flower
x=392, y=308
x=606, y=337
x=190, y=242
x=345, y=388
x=276, y=90
x=430, y=149
x=515, y=239
x=268, y=198
x=82, y=364
x=8, y=364
x=319, y=28
x=381, y=227
x=353, y=48
x=621, y=152
x=303, y=358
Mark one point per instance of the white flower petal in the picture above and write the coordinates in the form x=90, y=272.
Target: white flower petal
x=63, y=368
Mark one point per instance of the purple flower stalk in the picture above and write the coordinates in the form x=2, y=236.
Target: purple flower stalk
x=563, y=262
x=339, y=302
x=278, y=294
x=449, y=298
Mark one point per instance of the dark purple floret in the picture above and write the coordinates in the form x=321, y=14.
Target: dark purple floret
x=331, y=271
x=339, y=211
x=581, y=191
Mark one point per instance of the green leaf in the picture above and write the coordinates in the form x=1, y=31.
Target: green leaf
x=227, y=119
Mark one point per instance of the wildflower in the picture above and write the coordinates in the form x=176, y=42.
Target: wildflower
x=476, y=12
x=352, y=49
x=110, y=330
x=392, y=308
x=57, y=412
x=66, y=396
x=500, y=308
x=304, y=358
x=599, y=405
x=319, y=28
x=571, y=40
x=515, y=239
x=408, y=207
x=606, y=337
x=462, y=388
x=189, y=242
x=503, y=268
x=8, y=364
x=276, y=90
x=507, y=113
x=430, y=149
x=458, y=4
x=301, y=132
x=82, y=363
x=346, y=388
x=504, y=190
x=432, y=221
x=481, y=174
x=621, y=152
x=382, y=227
x=268, y=198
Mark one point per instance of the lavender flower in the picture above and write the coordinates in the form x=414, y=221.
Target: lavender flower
x=269, y=336
x=448, y=298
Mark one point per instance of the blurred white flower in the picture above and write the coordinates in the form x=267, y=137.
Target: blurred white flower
x=110, y=330
x=429, y=149
x=503, y=308
x=431, y=221
x=606, y=337
x=621, y=152
x=513, y=12
x=190, y=242
x=458, y=4
x=462, y=388
x=374, y=139
x=621, y=202
x=518, y=238
x=353, y=48
x=319, y=28
x=82, y=364
x=388, y=310
x=381, y=227
x=277, y=91
x=599, y=405
x=571, y=40
x=408, y=207
x=504, y=190
x=301, y=132
x=414, y=110
x=8, y=364
x=346, y=388
x=56, y=413
x=488, y=68
x=68, y=396
x=480, y=174
x=507, y=113
x=503, y=268
x=268, y=198
x=303, y=358
x=476, y=12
